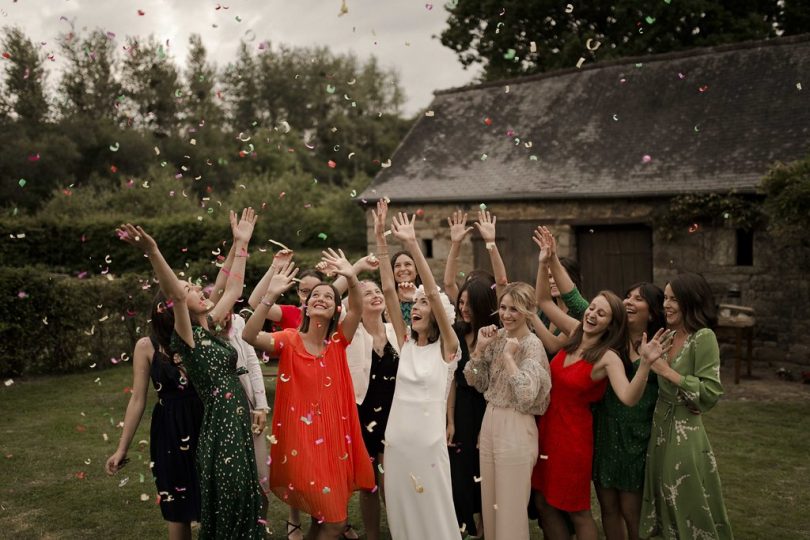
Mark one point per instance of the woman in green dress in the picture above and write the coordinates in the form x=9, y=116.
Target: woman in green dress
x=229, y=487
x=622, y=433
x=682, y=493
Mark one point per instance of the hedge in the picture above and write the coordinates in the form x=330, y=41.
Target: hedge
x=52, y=323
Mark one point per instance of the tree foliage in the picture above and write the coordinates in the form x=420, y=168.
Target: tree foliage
x=787, y=200
x=520, y=37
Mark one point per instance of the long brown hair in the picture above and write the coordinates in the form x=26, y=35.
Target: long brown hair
x=695, y=300
x=333, y=322
x=614, y=337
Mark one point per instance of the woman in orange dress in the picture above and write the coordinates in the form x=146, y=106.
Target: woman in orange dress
x=318, y=457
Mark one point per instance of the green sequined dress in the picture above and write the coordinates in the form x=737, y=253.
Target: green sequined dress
x=229, y=486
x=682, y=493
x=621, y=435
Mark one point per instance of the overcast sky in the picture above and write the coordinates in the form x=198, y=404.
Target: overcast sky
x=398, y=32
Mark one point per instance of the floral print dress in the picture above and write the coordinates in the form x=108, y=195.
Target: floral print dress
x=682, y=493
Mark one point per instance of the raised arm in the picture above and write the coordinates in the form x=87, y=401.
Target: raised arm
x=174, y=290
x=404, y=231
x=222, y=275
x=137, y=403
x=338, y=262
x=476, y=372
x=369, y=263
x=280, y=258
x=545, y=302
x=458, y=231
x=573, y=299
x=279, y=283
x=389, y=286
x=242, y=231
x=486, y=228
x=551, y=343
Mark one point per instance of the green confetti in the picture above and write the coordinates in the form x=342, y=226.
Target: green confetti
x=482, y=206
x=650, y=20
x=22, y=182
x=510, y=54
x=330, y=89
x=322, y=236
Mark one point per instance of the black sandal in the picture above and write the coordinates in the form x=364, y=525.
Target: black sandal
x=294, y=528
x=348, y=528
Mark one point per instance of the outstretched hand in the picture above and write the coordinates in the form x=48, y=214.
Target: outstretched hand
x=458, y=226
x=486, y=225
x=654, y=349
x=282, y=280
x=402, y=227
x=545, y=241
x=337, y=262
x=379, y=218
x=135, y=235
x=243, y=230
x=282, y=257
x=369, y=263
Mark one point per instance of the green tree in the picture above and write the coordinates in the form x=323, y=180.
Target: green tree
x=89, y=87
x=787, y=199
x=24, y=84
x=152, y=84
x=520, y=37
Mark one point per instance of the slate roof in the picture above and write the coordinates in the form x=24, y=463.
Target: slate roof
x=710, y=119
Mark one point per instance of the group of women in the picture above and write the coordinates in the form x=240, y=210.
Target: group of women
x=452, y=415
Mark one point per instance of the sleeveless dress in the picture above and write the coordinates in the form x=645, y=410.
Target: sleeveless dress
x=563, y=471
x=173, y=435
x=318, y=458
x=418, y=493
x=231, y=495
x=465, y=465
x=621, y=435
x=683, y=497
x=376, y=406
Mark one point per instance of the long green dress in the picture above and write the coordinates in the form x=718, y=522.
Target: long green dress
x=683, y=498
x=229, y=486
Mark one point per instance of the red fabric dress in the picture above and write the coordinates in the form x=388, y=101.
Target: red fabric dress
x=566, y=436
x=318, y=458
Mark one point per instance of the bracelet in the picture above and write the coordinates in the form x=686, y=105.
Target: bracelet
x=490, y=245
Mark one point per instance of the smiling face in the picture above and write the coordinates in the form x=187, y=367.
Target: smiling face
x=638, y=310
x=597, y=317
x=196, y=300
x=672, y=309
x=555, y=292
x=305, y=287
x=512, y=317
x=464, y=307
x=404, y=269
x=321, y=302
x=373, y=299
x=421, y=315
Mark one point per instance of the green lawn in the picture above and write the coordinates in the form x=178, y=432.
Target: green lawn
x=52, y=450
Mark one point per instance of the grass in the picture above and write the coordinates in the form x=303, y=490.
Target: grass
x=52, y=450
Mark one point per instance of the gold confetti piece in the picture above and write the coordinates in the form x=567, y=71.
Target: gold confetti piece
x=88, y=461
x=477, y=479
x=417, y=485
x=370, y=426
x=580, y=62
x=157, y=151
x=8, y=382
x=105, y=437
x=187, y=446
x=144, y=497
x=104, y=318
x=279, y=244
x=542, y=456
x=430, y=114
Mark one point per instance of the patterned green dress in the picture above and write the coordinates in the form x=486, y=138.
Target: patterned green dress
x=229, y=486
x=682, y=493
x=621, y=436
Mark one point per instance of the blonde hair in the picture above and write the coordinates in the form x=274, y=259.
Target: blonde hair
x=522, y=295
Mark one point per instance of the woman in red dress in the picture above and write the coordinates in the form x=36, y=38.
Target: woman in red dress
x=318, y=457
x=580, y=373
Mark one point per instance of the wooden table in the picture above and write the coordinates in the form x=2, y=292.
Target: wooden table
x=740, y=320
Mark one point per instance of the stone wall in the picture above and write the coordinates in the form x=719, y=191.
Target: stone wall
x=777, y=285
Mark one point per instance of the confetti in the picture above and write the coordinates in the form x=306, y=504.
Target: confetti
x=144, y=497
x=693, y=228
x=417, y=486
x=22, y=182
x=114, y=147
x=322, y=236
x=509, y=54
x=430, y=114
x=370, y=426
x=8, y=382
x=646, y=158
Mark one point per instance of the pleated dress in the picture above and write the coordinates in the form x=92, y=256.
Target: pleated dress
x=318, y=457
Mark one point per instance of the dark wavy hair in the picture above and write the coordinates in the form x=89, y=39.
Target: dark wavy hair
x=394, y=258
x=161, y=320
x=695, y=300
x=614, y=337
x=483, y=305
x=654, y=298
x=333, y=322
x=573, y=270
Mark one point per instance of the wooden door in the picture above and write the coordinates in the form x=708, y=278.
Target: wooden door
x=515, y=245
x=613, y=257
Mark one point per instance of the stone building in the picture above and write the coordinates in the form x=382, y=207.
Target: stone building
x=597, y=153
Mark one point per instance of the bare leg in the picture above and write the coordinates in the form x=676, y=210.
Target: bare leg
x=295, y=519
x=552, y=519
x=370, y=507
x=179, y=530
x=630, y=502
x=611, y=513
x=584, y=525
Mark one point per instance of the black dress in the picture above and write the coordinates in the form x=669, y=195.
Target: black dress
x=376, y=405
x=464, y=464
x=175, y=429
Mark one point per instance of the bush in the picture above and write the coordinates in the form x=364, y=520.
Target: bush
x=787, y=200
x=54, y=323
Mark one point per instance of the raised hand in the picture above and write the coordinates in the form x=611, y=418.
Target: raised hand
x=136, y=236
x=369, y=263
x=486, y=225
x=458, y=226
x=338, y=262
x=406, y=291
x=542, y=241
x=243, y=230
x=282, y=280
x=402, y=227
x=654, y=349
x=486, y=335
x=379, y=218
x=282, y=257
